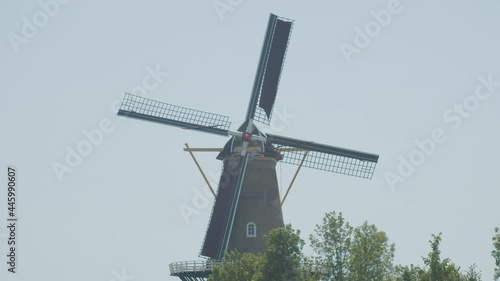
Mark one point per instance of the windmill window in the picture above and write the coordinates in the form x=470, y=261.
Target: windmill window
x=251, y=229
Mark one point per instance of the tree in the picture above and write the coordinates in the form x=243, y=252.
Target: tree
x=437, y=269
x=282, y=261
x=239, y=266
x=371, y=254
x=312, y=269
x=496, y=253
x=332, y=241
x=408, y=273
x=283, y=254
x=471, y=274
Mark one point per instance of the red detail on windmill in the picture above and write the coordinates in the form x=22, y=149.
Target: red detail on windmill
x=246, y=136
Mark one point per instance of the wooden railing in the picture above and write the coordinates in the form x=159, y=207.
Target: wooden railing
x=192, y=266
x=207, y=266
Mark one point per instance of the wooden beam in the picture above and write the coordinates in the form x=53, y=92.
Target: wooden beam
x=294, y=176
x=199, y=168
x=206, y=149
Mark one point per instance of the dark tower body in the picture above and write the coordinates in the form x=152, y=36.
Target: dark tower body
x=259, y=207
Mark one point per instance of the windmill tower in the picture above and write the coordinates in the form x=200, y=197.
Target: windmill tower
x=248, y=203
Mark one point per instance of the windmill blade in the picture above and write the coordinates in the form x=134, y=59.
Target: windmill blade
x=232, y=212
x=268, y=74
x=224, y=210
x=226, y=202
x=325, y=157
x=150, y=110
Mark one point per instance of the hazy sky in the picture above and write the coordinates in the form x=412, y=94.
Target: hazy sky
x=410, y=91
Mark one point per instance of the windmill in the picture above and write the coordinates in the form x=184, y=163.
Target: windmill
x=247, y=203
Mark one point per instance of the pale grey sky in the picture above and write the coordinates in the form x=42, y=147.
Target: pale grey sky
x=118, y=208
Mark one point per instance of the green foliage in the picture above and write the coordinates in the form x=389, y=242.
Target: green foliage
x=312, y=269
x=283, y=254
x=471, y=274
x=282, y=261
x=408, y=273
x=371, y=254
x=344, y=254
x=332, y=241
x=496, y=253
x=239, y=266
x=437, y=269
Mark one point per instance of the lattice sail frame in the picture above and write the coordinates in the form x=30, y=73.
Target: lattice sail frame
x=144, y=106
x=328, y=162
x=260, y=114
